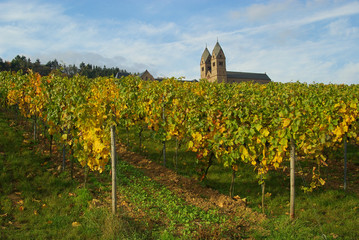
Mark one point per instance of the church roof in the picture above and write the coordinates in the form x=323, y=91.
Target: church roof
x=216, y=49
x=248, y=75
x=206, y=55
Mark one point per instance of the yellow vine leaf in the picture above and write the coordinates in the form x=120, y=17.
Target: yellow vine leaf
x=190, y=144
x=197, y=136
x=338, y=132
x=205, y=152
x=64, y=137
x=222, y=129
x=235, y=167
x=276, y=165
x=265, y=132
x=286, y=122
x=76, y=224
x=244, y=152
x=322, y=181
x=98, y=146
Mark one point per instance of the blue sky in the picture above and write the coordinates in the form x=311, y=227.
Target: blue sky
x=291, y=40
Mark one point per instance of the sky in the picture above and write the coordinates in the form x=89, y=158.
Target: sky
x=290, y=40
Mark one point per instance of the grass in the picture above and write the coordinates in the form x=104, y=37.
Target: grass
x=39, y=202
x=166, y=213
x=326, y=213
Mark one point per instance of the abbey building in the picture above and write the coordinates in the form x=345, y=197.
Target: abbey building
x=213, y=68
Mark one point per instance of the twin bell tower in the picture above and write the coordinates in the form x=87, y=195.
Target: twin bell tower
x=213, y=67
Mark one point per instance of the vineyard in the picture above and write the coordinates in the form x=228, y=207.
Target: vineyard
x=224, y=125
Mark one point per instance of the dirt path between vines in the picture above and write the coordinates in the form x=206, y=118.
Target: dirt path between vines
x=191, y=191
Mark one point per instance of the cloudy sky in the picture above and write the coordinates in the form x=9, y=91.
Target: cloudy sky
x=291, y=40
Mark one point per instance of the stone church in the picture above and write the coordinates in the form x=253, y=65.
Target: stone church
x=213, y=68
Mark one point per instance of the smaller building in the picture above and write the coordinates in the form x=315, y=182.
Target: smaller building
x=147, y=76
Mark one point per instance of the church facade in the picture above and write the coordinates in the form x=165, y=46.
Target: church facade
x=213, y=68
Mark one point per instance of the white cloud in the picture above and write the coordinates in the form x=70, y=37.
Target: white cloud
x=17, y=38
x=30, y=12
x=289, y=14
x=342, y=28
x=334, y=12
x=150, y=29
x=348, y=74
x=290, y=40
x=262, y=12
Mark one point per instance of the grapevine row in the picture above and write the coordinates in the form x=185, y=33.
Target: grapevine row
x=229, y=123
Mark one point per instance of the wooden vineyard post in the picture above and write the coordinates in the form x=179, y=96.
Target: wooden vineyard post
x=263, y=191
x=231, y=189
x=292, y=178
x=113, y=168
x=164, y=153
x=128, y=136
x=51, y=138
x=72, y=162
x=176, y=156
x=63, y=157
x=35, y=128
x=345, y=161
x=164, y=141
x=140, y=136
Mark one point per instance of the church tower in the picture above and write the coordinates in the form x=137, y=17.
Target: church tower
x=218, y=65
x=205, y=64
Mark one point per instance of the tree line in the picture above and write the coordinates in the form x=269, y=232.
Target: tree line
x=88, y=70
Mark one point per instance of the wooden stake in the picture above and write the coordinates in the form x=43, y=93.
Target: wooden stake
x=164, y=141
x=35, y=130
x=263, y=191
x=176, y=156
x=51, y=138
x=113, y=170
x=345, y=161
x=63, y=157
x=231, y=189
x=128, y=137
x=140, y=135
x=292, y=178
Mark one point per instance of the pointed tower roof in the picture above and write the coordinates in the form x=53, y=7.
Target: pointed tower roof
x=217, y=49
x=206, y=55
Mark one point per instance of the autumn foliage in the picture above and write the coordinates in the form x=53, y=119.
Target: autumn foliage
x=229, y=123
